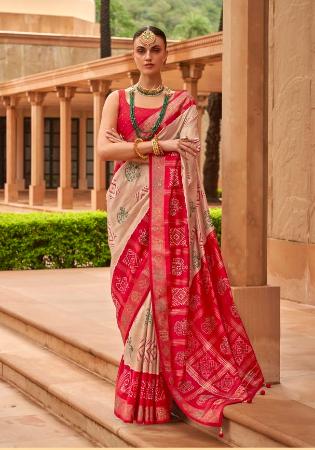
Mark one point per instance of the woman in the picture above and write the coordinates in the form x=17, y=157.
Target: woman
x=184, y=341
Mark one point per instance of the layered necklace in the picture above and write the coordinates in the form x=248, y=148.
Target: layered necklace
x=141, y=133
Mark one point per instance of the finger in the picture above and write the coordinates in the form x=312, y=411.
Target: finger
x=189, y=140
x=189, y=150
x=183, y=154
x=186, y=149
x=112, y=136
x=109, y=135
x=115, y=133
x=113, y=139
x=189, y=145
x=109, y=132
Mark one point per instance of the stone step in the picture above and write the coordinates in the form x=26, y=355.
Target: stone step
x=24, y=424
x=273, y=420
x=100, y=362
x=83, y=399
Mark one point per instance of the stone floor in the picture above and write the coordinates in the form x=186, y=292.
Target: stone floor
x=25, y=424
x=81, y=201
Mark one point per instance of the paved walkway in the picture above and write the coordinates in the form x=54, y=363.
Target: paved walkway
x=81, y=202
x=25, y=424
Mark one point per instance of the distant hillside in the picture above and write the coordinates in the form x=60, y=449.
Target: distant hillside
x=178, y=18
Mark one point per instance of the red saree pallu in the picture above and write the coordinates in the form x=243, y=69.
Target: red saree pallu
x=184, y=340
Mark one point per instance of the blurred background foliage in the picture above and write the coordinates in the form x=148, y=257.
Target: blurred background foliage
x=179, y=19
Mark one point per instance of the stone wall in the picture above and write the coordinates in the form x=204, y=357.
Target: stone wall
x=44, y=23
x=22, y=60
x=81, y=9
x=291, y=207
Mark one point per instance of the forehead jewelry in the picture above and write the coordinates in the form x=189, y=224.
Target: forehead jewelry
x=147, y=37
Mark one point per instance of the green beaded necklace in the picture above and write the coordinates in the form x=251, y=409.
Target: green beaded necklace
x=150, y=133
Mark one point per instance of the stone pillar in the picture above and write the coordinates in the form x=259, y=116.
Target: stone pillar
x=20, y=180
x=10, y=186
x=65, y=190
x=191, y=73
x=202, y=101
x=244, y=176
x=37, y=186
x=82, y=152
x=133, y=76
x=100, y=89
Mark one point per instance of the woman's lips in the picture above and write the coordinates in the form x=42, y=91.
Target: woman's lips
x=148, y=65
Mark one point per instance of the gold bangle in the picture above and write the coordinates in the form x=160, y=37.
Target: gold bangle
x=159, y=147
x=156, y=147
x=135, y=148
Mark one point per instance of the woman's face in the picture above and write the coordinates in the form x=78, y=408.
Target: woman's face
x=149, y=59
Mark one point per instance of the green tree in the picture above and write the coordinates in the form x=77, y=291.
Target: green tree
x=121, y=22
x=193, y=24
x=203, y=16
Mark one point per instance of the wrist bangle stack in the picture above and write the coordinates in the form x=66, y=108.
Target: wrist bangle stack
x=135, y=148
x=156, y=147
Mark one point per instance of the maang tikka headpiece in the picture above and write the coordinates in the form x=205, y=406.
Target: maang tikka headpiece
x=147, y=37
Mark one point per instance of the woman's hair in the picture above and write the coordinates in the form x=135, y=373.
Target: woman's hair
x=155, y=30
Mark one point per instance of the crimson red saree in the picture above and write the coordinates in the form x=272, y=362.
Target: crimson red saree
x=184, y=340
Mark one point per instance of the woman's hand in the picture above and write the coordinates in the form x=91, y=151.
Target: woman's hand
x=184, y=146
x=113, y=136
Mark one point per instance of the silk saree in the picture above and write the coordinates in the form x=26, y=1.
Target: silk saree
x=184, y=340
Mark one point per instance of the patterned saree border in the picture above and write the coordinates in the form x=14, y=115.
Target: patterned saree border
x=153, y=403
x=130, y=281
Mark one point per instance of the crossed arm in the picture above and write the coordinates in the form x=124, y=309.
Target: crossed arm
x=111, y=146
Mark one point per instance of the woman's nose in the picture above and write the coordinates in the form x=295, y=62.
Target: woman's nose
x=147, y=54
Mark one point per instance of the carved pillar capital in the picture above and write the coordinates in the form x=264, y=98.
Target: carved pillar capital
x=100, y=86
x=35, y=97
x=9, y=101
x=191, y=71
x=65, y=92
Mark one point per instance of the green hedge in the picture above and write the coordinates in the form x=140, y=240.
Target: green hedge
x=53, y=240
x=59, y=240
x=216, y=216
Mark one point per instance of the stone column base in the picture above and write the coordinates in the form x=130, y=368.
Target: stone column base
x=36, y=194
x=20, y=184
x=98, y=199
x=83, y=183
x=259, y=308
x=11, y=193
x=65, y=197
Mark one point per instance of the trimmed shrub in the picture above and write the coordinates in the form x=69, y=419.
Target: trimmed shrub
x=216, y=216
x=60, y=240
x=53, y=240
